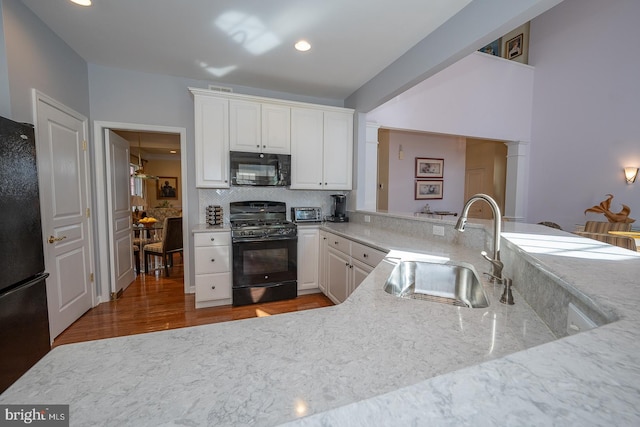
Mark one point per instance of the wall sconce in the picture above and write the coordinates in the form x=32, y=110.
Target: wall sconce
x=630, y=174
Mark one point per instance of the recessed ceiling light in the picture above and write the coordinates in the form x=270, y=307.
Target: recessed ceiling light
x=302, y=46
x=82, y=2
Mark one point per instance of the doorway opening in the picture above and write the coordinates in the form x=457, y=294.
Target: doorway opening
x=139, y=137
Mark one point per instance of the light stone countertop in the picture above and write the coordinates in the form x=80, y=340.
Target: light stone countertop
x=373, y=360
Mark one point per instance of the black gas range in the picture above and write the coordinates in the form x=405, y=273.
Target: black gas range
x=265, y=251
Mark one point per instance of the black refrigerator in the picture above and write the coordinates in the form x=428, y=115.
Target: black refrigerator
x=24, y=320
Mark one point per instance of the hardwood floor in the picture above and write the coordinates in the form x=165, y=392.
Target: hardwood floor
x=154, y=303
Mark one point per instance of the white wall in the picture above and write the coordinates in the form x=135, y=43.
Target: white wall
x=402, y=172
x=127, y=96
x=481, y=96
x=586, y=109
x=38, y=58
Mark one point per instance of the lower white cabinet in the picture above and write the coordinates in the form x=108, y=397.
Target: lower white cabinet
x=212, y=259
x=308, y=259
x=346, y=265
x=323, y=261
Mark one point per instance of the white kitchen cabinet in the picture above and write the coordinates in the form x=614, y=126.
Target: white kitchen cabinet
x=337, y=151
x=276, y=128
x=322, y=264
x=348, y=263
x=358, y=271
x=245, y=128
x=308, y=259
x=212, y=260
x=307, y=130
x=211, y=141
x=259, y=127
x=338, y=275
x=321, y=149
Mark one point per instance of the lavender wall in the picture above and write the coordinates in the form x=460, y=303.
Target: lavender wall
x=402, y=172
x=481, y=96
x=586, y=109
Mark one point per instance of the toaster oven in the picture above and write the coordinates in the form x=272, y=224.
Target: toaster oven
x=306, y=214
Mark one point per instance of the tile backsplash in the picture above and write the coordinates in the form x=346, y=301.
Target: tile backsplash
x=293, y=198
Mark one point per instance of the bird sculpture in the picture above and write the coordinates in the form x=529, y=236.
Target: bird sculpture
x=603, y=208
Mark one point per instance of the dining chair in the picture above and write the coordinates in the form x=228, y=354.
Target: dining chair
x=171, y=243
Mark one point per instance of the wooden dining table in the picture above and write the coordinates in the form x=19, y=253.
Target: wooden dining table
x=143, y=234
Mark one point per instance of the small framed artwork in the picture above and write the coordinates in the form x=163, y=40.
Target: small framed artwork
x=492, y=48
x=429, y=168
x=167, y=187
x=514, y=47
x=428, y=190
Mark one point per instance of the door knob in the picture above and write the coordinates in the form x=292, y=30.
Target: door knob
x=56, y=239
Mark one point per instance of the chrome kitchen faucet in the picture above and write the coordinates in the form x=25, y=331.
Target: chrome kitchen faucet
x=496, y=264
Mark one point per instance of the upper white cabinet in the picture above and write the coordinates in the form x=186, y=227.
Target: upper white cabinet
x=244, y=126
x=212, y=141
x=307, y=136
x=259, y=127
x=276, y=128
x=319, y=138
x=321, y=149
x=338, y=151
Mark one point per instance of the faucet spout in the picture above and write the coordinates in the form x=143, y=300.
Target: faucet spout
x=496, y=264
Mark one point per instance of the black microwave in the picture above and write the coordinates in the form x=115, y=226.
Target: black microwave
x=261, y=169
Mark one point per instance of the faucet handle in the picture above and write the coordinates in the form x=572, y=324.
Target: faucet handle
x=507, y=295
x=493, y=278
x=496, y=264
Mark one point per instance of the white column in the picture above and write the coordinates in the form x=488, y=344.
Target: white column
x=370, y=170
x=517, y=181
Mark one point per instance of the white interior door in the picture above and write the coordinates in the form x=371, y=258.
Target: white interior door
x=63, y=172
x=119, y=207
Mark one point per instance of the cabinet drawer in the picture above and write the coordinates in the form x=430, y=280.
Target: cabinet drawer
x=369, y=256
x=213, y=286
x=212, y=260
x=339, y=243
x=212, y=239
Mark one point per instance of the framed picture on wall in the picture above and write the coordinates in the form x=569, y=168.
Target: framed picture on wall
x=427, y=190
x=429, y=168
x=492, y=48
x=514, y=47
x=167, y=188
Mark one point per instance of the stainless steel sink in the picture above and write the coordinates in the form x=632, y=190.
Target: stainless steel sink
x=452, y=284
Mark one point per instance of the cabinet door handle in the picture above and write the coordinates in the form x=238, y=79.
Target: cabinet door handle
x=335, y=243
x=212, y=239
x=213, y=260
x=320, y=183
x=365, y=255
x=213, y=287
x=346, y=264
x=258, y=145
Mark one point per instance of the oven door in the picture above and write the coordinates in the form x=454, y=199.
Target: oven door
x=264, y=262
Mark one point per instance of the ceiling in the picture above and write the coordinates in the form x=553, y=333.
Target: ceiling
x=151, y=145
x=249, y=43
